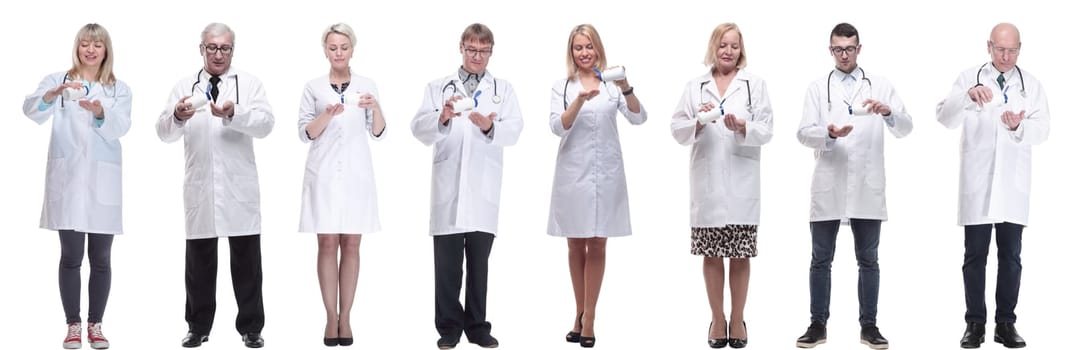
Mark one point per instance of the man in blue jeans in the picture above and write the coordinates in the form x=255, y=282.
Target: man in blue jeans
x=1002, y=111
x=847, y=113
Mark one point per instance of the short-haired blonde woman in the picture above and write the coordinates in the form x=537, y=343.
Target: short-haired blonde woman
x=83, y=180
x=588, y=199
x=725, y=115
x=338, y=112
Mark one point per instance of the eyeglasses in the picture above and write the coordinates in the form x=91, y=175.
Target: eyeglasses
x=838, y=50
x=473, y=52
x=1004, y=50
x=213, y=49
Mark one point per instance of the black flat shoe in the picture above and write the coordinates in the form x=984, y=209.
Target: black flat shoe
x=870, y=336
x=1006, y=335
x=447, y=342
x=346, y=341
x=716, y=343
x=253, y=340
x=738, y=343
x=973, y=337
x=486, y=341
x=816, y=334
x=331, y=341
x=575, y=337
x=193, y=340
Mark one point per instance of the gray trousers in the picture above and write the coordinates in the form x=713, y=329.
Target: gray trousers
x=72, y=251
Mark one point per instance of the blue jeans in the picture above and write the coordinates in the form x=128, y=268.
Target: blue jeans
x=866, y=245
x=974, y=271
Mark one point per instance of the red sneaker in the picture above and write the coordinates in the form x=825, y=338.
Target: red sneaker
x=74, y=336
x=95, y=337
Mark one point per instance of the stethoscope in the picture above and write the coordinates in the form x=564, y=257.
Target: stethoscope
x=1004, y=96
x=66, y=77
x=567, y=83
x=208, y=95
x=748, y=90
x=849, y=105
x=454, y=90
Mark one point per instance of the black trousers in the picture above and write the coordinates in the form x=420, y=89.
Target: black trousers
x=201, y=257
x=451, y=318
x=974, y=271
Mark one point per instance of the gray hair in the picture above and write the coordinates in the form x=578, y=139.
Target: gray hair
x=341, y=29
x=217, y=29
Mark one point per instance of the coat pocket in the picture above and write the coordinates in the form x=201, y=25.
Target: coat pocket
x=109, y=183
x=55, y=179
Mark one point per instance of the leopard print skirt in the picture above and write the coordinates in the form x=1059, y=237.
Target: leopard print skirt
x=732, y=241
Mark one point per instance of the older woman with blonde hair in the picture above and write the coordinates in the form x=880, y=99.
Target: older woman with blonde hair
x=338, y=112
x=83, y=179
x=725, y=115
x=588, y=200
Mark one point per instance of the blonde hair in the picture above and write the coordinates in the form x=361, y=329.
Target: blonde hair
x=93, y=32
x=341, y=29
x=711, y=57
x=590, y=32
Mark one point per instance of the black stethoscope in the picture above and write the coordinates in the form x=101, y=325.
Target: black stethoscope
x=208, y=95
x=454, y=90
x=849, y=106
x=748, y=90
x=567, y=83
x=1019, y=75
x=66, y=77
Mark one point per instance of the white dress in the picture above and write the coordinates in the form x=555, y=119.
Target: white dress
x=588, y=195
x=338, y=190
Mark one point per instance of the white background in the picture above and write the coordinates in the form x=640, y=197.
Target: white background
x=653, y=295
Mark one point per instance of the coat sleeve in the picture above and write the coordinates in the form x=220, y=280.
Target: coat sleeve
x=759, y=130
x=116, y=120
x=254, y=117
x=683, y=120
x=307, y=112
x=1036, y=126
x=634, y=118
x=903, y=122
x=952, y=111
x=169, y=129
x=369, y=114
x=426, y=125
x=508, y=125
x=34, y=105
x=812, y=131
x=558, y=107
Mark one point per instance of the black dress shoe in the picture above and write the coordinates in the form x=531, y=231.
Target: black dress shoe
x=716, y=343
x=193, y=340
x=1006, y=335
x=447, y=342
x=485, y=341
x=815, y=335
x=738, y=343
x=870, y=336
x=973, y=337
x=253, y=340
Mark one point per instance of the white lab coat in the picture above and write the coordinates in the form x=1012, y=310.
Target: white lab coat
x=467, y=165
x=724, y=166
x=83, y=178
x=849, y=180
x=996, y=163
x=588, y=195
x=220, y=192
x=339, y=190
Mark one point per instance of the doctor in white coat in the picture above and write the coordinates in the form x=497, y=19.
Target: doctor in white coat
x=588, y=196
x=468, y=116
x=220, y=191
x=846, y=116
x=338, y=113
x=90, y=111
x=724, y=176
x=1002, y=111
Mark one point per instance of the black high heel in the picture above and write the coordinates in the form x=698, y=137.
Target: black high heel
x=716, y=343
x=586, y=342
x=739, y=343
x=575, y=337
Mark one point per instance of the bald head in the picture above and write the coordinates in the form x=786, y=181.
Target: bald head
x=1004, y=46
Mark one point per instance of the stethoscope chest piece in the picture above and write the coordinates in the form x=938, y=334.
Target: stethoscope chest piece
x=496, y=99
